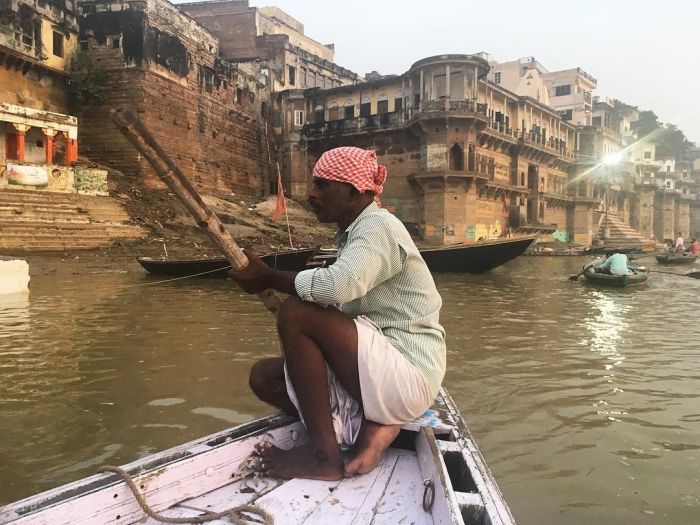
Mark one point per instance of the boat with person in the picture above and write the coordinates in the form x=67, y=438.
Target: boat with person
x=675, y=258
x=287, y=260
x=432, y=474
x=477, y=257
x=638, y=275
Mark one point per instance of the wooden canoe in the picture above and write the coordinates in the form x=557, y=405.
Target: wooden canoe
x=475, y=257
x=289, y=260
x=639, y=275
x=432, y=474
x=673, y=258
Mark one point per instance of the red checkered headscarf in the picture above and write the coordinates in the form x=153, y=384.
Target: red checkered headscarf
x=354, y=166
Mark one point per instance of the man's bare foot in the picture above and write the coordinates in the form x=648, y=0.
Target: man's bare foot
x=307, y=462
x=371, y=442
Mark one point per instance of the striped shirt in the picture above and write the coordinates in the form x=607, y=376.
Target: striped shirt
x=379, y=273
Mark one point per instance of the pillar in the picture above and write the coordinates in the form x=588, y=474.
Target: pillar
x=21, y=130
x=422, y=87
x=48, y=144
x=71, y=151
x=447, y=82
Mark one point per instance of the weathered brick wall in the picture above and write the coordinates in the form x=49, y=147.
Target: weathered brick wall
x=234, y=23
x=204, y=111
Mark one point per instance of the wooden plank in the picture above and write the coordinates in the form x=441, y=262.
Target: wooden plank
x=217, y=500
x=403, y=499
x=355, y=496
x=445, y=509
x=495, y=504
x=471, y=507
x=469, y=499
x=294, y=501
x=163, y=487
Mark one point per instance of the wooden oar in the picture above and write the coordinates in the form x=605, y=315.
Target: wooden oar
x=134, y=130
x=583, y=270
x=694, y=275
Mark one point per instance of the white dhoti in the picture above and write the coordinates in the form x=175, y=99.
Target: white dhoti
x=393, y=390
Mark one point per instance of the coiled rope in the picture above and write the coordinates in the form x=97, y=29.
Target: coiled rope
x=232, y=513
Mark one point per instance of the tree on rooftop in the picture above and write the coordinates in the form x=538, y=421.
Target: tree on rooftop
x=669, y=139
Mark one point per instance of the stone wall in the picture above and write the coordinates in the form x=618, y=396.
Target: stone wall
x=206, y=113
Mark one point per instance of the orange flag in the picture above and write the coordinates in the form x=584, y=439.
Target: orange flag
x=281, y=205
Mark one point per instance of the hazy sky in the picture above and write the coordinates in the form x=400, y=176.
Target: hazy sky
x=644, y=52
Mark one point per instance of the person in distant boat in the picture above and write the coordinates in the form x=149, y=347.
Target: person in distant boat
x=694, y=247
x=364, y=351
x=615, y=264
x=679, y=243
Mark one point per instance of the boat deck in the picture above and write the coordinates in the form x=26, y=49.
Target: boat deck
x=390, y=494
x=432, y=474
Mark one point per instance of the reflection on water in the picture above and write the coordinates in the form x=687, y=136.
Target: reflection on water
x=583, y=400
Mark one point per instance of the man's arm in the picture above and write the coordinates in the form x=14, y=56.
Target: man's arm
x=365, y=262
x=258, y=276
x=605, y=264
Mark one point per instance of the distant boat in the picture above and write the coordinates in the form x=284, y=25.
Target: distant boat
x=639, y=275
x=674, y=258
x=289, y=260
x=433, y=473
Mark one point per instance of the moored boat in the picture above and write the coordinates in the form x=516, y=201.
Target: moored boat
x=639, y=275
x=674, y=258
x=432, y=474
x=475, y=257
x=289, y=260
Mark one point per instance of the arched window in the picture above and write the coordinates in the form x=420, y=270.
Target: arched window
x=333, y=111
x=349, y=109
x=365, y=106
x=318, y=114
x=398, y=100
x=382, y=103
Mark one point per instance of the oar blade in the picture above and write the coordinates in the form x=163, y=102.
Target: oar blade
x=694, y=275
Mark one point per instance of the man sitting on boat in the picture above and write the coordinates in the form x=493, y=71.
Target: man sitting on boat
x=615, y=264
x=364, y=351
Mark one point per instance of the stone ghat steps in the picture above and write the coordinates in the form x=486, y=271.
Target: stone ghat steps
x=33, y=221
x=621, y=233
x=99, y=208
x=35, y=236
x=61, y=212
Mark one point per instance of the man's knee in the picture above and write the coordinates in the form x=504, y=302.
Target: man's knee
x=292, y=313
x=264, y=373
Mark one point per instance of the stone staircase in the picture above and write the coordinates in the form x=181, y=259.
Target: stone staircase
x=621, y=233
x=42, y=221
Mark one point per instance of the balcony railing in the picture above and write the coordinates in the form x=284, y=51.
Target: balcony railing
x=557, y=146
x=452, y=106
x=353, y=125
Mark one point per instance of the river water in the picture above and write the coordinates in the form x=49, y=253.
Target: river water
x=584, y=400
